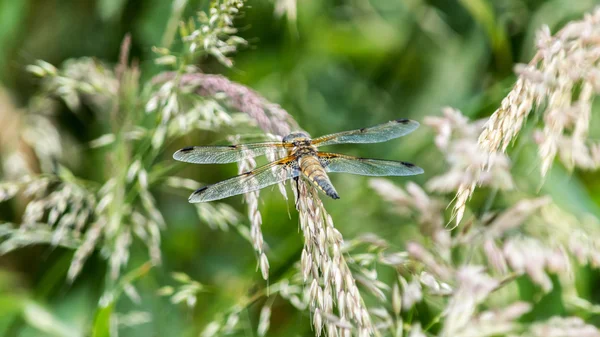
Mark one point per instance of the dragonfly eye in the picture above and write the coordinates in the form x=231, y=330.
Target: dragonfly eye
x=295, y=137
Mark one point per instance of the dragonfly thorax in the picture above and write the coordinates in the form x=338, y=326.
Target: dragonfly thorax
x=297, y=138
x=304, y=150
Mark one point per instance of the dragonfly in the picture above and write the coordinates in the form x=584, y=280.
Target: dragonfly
x=302, y=160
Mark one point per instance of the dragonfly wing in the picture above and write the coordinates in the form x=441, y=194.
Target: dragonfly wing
x=366, y=167
x=375, y=134
x=225, y=154
x=264, y=176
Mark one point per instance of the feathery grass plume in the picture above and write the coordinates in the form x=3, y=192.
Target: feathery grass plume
x=82, y=80
x=532, y=238
x=456, y=137
x=57, y=213
x=124, y=208
x=575, y=237
x=473, y=287
x=29, y=142
x=187, y=291
x=254, y=215
x=228, y=322
x=527, y=255
x=538, y=239
x=217, y=215
x=287, y=8
x=251, y=199
x=211, y=33
x=368, y=254
x=416, y=331
x=270, y=117
x=414, y=200
x=215, y=37
x=497, y=322
x=363, y=266
x=563, y=326
x=510, y=219
x=133, y=319
x=559, y=82
x=325, y=269
x=523, y=250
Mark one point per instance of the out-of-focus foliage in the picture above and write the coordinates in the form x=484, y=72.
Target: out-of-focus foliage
x=85, y=124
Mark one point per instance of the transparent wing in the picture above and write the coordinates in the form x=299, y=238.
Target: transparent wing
x=225, y=154
x=366, y=167
x=375, y=134
x=263, y=176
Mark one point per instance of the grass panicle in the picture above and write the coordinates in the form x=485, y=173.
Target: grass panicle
x=559, y=85
x=437, y=282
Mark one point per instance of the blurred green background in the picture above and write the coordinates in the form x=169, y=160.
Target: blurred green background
x=333, y=65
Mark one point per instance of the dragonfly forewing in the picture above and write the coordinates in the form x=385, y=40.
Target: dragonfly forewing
x=264, y=176
x=375, y=134
x=225, y=154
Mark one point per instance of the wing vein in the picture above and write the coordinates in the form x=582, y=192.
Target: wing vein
x=334, y=162
x=375, y=134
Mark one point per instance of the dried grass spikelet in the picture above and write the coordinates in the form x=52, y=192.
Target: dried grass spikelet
x=413, y=200
x=254, y=215
x=456, y=137
x=473, y=287
x=71, y=208
x=495, y=322
x=560, y=82
x=17, y=154
x=270, y=117
x=563, y=326
x=212, y=32
x=325, y=269
x=251, y=199
x=30, y=142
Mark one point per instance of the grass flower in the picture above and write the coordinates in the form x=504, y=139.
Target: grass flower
x=435, y=282
x=456, y=137
x=325, y=269
x=559, y=83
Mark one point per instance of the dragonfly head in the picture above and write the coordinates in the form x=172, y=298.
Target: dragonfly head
x=296, y=138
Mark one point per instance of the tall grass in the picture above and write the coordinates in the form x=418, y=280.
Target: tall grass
x=462, y=280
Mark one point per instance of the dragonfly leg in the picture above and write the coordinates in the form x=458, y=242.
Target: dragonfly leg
x=297, y=190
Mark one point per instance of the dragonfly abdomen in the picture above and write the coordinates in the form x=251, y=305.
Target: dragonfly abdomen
x=311, y=168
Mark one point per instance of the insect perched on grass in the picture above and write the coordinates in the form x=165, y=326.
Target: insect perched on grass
x=303, y=159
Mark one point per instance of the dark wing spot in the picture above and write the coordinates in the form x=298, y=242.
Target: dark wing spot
x=362, y=129
x=233, y=146
x=402, y=121
x=200, y=190
x=187, y=149
x=408, y=164
x=197, y=192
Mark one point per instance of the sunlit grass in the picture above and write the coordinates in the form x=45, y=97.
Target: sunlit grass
x=483, y=268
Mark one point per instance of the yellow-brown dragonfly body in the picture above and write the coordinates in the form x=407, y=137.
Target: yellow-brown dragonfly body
x=303, y=159
x=309, y=164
